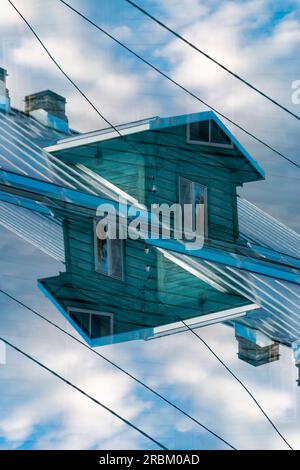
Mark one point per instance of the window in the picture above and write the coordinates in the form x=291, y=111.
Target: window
x=199, y=131
x=193, y=193
x=93, y=324
x=109, y=256
x=207, y=133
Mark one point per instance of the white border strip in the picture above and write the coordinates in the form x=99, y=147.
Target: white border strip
x=203, y=320
x=112, y=134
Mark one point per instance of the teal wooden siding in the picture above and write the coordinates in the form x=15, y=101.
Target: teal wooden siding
x=168, y=156
x=155, y=291
x=178, y=287
x=115, y=161
x=147, y=166
x=146, y=298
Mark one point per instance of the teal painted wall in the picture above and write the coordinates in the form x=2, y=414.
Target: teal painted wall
x=166, y=292
x=162, y=295
x=147, y=165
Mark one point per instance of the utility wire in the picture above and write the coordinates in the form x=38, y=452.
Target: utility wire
x=166, y=400
x=193, y=46
x=112, y=126
x=238, y=380
x=148, y=387
x=150, y=65
x=66, y=381
x=62, y=71
x=182, y=87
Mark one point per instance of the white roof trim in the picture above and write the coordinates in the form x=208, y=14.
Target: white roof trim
x=99, y=137
x=203, y=320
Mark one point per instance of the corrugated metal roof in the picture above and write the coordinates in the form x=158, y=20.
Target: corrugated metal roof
x=21, y=157
x=279, y=316
x=21, y=141
x=20, y=153
x=279, y=300
x=38, y=229
x=257, y=226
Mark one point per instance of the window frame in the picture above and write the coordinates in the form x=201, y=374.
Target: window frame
x=91, y=312
x=109, y=254
x=202, y=142
x=192, y=183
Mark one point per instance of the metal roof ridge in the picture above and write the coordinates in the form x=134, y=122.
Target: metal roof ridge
x=105, y=130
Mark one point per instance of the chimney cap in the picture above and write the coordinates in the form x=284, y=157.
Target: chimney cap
x=44, y=93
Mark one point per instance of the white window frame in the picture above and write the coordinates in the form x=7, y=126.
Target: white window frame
x=92, y=312
x=192, y=183
x=109, y=251
x=202, y=142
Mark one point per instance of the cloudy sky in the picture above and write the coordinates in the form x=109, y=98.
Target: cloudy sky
x=37, y=411
x=260, y=40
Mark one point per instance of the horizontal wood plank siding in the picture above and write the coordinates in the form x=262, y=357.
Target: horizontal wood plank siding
x=155, y=291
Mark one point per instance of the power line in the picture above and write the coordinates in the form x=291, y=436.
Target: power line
x=62, y=71
x=148, y=387
x=182, y=87
x=65, y=73
x=67, y=382
x=162, y=397
x=112, y=126
x=238, y=380
x=205, y=54
x=150, y=65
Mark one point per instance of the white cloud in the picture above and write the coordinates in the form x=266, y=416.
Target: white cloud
x=47, y=414
x=78, y=422
x=181, y=13
x=9, y=17
x=122, y=32
x=241, y=36
x=218, y=400
x=107, y=78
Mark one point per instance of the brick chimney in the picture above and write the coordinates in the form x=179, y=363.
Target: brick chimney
x=49, y=109
x=4, y=93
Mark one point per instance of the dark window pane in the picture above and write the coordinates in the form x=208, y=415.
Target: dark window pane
x=100, y=326
x=191, y=193
x=102, y=256
x=199, y=193
x=218, y=136
x=185, y=191
x=199, y=197
x=199, y=131
x=116, y=247
x=109, y=255
x=82, y=320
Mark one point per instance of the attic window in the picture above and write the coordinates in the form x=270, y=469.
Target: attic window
x=207, y=133
x=93, y=324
